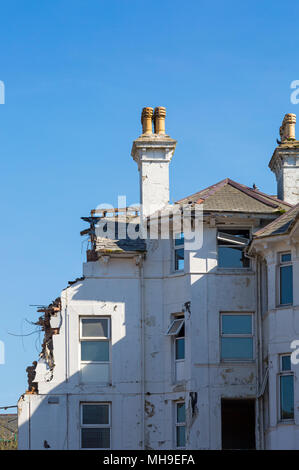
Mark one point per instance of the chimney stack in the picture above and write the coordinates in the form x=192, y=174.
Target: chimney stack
x=285, y=161
x=153, y=153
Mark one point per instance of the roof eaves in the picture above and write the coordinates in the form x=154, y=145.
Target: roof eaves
x=264, y=232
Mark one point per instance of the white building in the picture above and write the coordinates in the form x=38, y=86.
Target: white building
x=164, y=344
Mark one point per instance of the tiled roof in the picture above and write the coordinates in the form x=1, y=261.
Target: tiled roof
x=230, y=196
x=280, y=226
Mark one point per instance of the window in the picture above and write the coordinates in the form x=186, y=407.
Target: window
x=236, y=337
x=180, y=426
x=285, y=279
x=180, y=344
x=179, y=254
x=177, y=331
x=95, y=349
x=286, y=388
x=231, y=248
x=95, y=425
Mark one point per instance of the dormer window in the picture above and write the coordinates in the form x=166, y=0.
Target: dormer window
x=231, y=248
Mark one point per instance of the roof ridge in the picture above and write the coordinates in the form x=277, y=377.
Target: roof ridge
x=222, y=183
x=200, y=196
x=250, y=192
x=266, y=195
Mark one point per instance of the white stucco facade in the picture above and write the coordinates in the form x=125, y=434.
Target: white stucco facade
x=141, y=294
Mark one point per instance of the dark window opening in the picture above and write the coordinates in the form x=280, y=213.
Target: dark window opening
x=231, y=248
x=238, y=424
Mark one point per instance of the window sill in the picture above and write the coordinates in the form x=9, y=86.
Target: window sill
x=179, y=273
x=284, y=306
x=237, y=361
x=96, y=384
x=286, y=421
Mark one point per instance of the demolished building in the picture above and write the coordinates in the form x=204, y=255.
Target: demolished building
x=168, y=344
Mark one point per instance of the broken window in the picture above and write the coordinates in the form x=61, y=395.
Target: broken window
x=286, y=388
x=95, y=425
x=285, y=279
x=179, y=253
x=236, y=337
x=177, y=331
x=231, y=248
x=180, y=424
x=95, y=349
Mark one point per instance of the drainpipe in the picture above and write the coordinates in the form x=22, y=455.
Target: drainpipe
x=142, y=345
x=29, y=424
x=259, y=400
x=66, y=329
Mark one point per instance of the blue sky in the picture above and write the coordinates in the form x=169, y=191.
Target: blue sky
x=77, y=74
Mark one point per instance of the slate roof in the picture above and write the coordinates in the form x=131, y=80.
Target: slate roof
x=115, y=244
x=280, y=226
x=230, y=196
x=106, y=245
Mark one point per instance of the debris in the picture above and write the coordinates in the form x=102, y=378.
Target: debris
x=76, y=280
x=47, y=346
x=32, y=386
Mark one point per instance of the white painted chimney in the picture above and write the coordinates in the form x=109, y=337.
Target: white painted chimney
x=285, y=162
x=153, y=151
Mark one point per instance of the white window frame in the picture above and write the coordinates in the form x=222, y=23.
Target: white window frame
x=178, y=318
x=283, y=373
x=281, y=264
x=176, y=248
x=238, y=335
x=96, y=426
x=179, y=424
x=180, y=322
x=95, y=338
